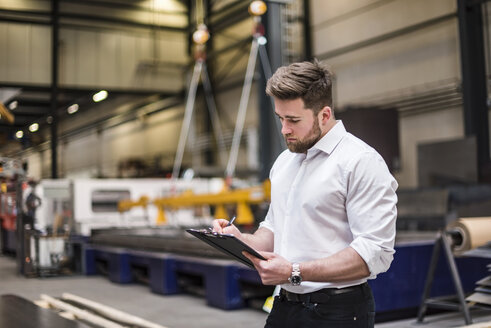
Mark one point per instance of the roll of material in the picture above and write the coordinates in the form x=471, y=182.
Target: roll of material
x=471, y=233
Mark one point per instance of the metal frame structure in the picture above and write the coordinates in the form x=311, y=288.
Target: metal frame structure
x=474, y=87
x=59, y=14
x=443, y=241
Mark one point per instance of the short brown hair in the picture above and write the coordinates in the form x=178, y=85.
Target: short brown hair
x=309, y=81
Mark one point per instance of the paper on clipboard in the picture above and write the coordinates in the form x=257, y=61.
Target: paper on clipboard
x=226, y=243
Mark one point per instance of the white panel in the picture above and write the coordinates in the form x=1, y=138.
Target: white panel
x=323, y=12
x=393, y=16
x=156, y=135
x=25, y=4
x=41, y=55
x=3, y=51
x=128, y=143
x=80, y=153
x=412, y=60
x=87, y=50
x=68, y=57
x=164, y=126
x=109, y=63
x=18, y=53
x=128, y=62
x=120, y=60
x=144, y=53
x=172, y=47
x=34, y=165
x=228, y=103
x=413, y=130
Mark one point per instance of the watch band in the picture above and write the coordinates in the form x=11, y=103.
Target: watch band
x=295, y=278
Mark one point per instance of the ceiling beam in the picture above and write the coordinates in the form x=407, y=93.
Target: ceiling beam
x=6, y=114
x=44, y=18
x=125, y=5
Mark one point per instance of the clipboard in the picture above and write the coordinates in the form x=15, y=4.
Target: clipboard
x=226, y=243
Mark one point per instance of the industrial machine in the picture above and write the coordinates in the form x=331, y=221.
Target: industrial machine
x=8, y=216
x=11, y=183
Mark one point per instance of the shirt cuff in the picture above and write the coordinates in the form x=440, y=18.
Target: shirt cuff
x=377, y=258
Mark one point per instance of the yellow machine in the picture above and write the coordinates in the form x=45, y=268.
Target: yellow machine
x=127, y=204
x=241, y=198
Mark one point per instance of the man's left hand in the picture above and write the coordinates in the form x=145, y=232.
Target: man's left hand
x=274, y=271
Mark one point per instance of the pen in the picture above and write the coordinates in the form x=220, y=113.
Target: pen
x=231, y=221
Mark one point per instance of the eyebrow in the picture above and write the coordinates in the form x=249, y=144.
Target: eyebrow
x=289, y=116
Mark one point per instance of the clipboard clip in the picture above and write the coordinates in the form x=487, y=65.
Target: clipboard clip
x=209, y=232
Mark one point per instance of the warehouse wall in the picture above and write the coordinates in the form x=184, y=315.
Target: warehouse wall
x=120, y=59
x=376, y=57
x=25, y=53
x=98, y=153
x=380, y=50
x=93, y=58
x=129, y=58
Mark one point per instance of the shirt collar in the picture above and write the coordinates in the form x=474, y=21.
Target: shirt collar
x=332, y=138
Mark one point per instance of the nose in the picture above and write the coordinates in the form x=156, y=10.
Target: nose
x=285, y=129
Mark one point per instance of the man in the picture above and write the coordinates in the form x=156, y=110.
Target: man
x=331, y=222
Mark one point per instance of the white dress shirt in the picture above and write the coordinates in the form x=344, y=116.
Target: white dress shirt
x=339, y=194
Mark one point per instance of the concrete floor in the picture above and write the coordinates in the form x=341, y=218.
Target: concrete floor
x=177, y=311
x=173, y=311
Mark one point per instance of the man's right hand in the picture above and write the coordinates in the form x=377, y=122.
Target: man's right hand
x=221, y=226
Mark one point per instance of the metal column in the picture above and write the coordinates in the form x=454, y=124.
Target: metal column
x=474, y=88
x=268, y=137
x=54, y=88
x=307, y=37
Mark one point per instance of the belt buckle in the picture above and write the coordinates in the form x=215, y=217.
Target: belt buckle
x=292, y=297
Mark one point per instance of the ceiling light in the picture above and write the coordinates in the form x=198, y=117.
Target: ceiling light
x=34, y=127
x=19, y=134
x=201, y=35
x=166, y=5
x=257, y=8
x=13, y=105
x=100, y=96
x=72, y=109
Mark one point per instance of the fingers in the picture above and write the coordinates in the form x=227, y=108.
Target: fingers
x=219, y=224
x=252, y=258
x=274, y=271
x=255, y=261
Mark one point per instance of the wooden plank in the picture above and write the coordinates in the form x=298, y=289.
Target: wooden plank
x=19, y=312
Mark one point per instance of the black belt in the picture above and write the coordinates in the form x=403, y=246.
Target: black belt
x=320, y=296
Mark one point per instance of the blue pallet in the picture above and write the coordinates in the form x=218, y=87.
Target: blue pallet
x=160, y=267
x=117, y=260
x=161, y=270
x=221, y=278
x=401, y=287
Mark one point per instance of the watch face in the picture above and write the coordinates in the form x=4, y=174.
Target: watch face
x=296, y=280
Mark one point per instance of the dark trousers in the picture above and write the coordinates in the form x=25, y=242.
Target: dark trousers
x=348, y=310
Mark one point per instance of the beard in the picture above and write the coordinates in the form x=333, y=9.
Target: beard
x=302, y=145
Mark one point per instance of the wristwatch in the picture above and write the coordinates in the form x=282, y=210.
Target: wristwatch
x=295, y=279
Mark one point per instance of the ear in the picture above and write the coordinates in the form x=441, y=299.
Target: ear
x=325, y=114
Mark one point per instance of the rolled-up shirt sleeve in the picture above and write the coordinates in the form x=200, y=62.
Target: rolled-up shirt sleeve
x=268, y=221
x=371, y=210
